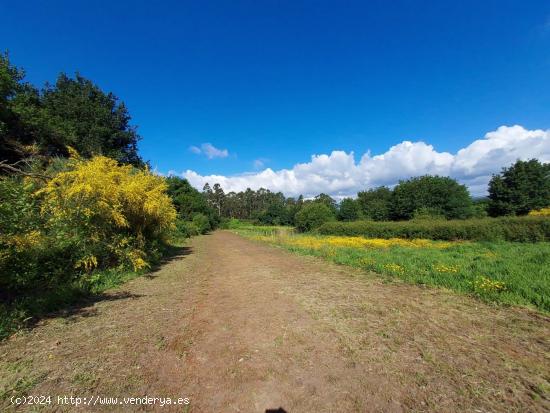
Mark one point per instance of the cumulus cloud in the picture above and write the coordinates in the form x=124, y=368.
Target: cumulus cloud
x=340, y=175
x=209, y=150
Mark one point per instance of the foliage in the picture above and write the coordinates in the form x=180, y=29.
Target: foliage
x=73, y=112
x=95, y=214
x=480, y=207
x=189, y=202
x=93, y=225
x=110, y=211
x=348, y=210
x=231, y=223
x=312, y=215
x=424, y=213
x=501, y=272
x=375, y=203
x=441, y=195
x=263, y=206
x=201, y=222
x=523, y=187
x=326, y=200
x=186, y=229
x=521, y=229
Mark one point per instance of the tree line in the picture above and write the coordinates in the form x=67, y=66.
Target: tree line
x=519, y=189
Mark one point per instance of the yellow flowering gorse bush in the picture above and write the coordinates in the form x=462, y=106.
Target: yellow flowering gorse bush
x=106, y=207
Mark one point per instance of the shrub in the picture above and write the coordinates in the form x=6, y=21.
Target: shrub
x=521, y=229
x=349, y=210
x=94, y=214
x=202, y=223
x=186, y=229
x=313, y=215
x=375, y=203
x=107, y=214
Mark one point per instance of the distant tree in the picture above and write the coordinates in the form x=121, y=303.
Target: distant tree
x=275, y=214
x=327, y=200
x=375, y=203
x=481, y=206
x=522, y=187
x=218, y=198
x=349, y=210
x=313, y=215
x=439, y=195
x=187, y=200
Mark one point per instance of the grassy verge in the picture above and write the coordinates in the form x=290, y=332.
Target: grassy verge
x=501, y=272
x=23, y=311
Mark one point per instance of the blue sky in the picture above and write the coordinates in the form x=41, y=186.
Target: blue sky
x=280, y=81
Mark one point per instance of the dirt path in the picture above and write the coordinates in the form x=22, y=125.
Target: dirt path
x=240, y=326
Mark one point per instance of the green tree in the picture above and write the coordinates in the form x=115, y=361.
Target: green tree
x=313, y=215
x=188, y=201
x=327, y=200
x=349, y=210
x=522, y=187
x=13, y=131
x=81, y=115
x=73, y=112
x=440, y=195
x=375, y=203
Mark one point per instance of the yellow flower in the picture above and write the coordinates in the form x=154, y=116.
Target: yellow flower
x=446, y=268
x=484, y=285
x=87, y=263
x=544, y=212
x=312, y=242
x=394, y=268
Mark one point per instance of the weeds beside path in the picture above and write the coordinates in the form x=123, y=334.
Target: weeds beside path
x=240, y=326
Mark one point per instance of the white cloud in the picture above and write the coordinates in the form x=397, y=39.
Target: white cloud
x=195, y=150
x=339, y=175
x=259, y=163
x=210, y=151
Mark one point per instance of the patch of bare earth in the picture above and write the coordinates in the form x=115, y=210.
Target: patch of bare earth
x=237, y=325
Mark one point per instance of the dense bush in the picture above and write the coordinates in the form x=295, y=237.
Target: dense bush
x=523, y=187
x=189, y=202
x=375, y=203
x=521, y=229
x=201, y=222
x=312, y=215
x=96, y=214
x=186, y=229
x=349, y=210
x=439, y=195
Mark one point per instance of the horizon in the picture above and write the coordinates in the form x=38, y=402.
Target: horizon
x=303, y=97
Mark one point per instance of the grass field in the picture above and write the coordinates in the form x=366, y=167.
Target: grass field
x=501, y=272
